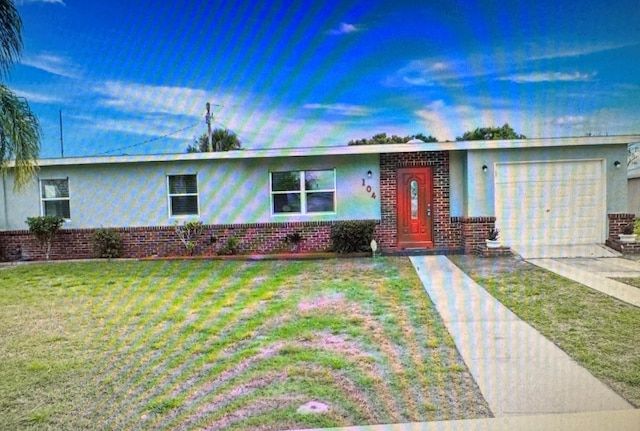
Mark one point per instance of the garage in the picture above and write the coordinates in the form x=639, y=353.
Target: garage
x=551, y=202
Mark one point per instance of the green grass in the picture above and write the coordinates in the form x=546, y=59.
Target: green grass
x=631, y=281
x=224, y=345
x=599, y=332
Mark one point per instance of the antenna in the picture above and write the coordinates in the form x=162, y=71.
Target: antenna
x=61, y=141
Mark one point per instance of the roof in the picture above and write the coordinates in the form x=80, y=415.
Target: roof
x=349, y=150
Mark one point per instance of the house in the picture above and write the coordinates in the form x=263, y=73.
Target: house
x=633, y=190
x=439, y=197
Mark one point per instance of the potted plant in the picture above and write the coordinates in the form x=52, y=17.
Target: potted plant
x=492, y=239
x=627, y=234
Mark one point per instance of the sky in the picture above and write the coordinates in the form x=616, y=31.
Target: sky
x=133, y=77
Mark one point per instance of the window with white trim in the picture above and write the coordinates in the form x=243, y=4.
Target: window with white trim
x=303, y=192
x=54, y=198
x=183, y=195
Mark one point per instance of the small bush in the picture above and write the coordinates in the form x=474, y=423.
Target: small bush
x=107, y=243
x=44, y=228
x=352, y=236
x=231, y=247
x=294, y=239
x=189, y=233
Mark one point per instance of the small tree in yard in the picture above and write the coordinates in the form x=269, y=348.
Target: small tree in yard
x=44, y=228
x=189, y=233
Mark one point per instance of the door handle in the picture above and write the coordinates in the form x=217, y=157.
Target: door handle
x=428, y=210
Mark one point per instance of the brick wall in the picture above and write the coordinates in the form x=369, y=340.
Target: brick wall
x=617, y=222
x=474, y=231
x=446, y=232
x=139, y=242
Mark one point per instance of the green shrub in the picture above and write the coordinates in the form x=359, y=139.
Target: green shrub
x=107, y=243
x=189, y=233
x=44, y=228
x=352, y=236
x=231, y=247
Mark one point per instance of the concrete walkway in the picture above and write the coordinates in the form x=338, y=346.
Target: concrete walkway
x=621, y=420
x=518, y=371
x=594, y=272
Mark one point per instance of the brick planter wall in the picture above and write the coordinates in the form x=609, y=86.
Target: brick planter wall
x=617, y=222
x=474, y=231
x=140, y=242
x=446, y=231
x=483, y=251
x=624, y=248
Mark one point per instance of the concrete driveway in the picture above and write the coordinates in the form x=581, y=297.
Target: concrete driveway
x=544, y=251
x=596, y=272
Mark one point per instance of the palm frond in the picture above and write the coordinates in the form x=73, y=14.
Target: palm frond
x=20, y=136
x=10, y=35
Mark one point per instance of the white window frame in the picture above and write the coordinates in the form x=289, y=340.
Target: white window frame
x=170, y=195
x=44, y=199
x=303, y=194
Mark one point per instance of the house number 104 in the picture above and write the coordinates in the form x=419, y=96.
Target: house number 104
x=368, y=189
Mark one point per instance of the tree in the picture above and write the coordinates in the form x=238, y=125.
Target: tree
x=20, y=132
x=490, y=133
x=226, y=139
x=44, y=228
x=382, y=138
x=633, y=155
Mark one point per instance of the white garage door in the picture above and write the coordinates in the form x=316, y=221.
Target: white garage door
x=550, y=203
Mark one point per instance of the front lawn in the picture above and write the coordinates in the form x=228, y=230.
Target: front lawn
x=631, y=281
x=599, y=332
x=224, y=345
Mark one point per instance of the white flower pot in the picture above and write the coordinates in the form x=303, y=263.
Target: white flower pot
x=492, y=243
x=627, y=238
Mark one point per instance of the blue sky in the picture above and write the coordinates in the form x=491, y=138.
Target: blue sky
x=127, y=73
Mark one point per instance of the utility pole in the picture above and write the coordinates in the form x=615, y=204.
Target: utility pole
x=208, y=119
x=61, y=141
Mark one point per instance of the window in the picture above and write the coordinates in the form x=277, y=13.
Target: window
x=55, y=198
x=303, y=192
x=183, y=195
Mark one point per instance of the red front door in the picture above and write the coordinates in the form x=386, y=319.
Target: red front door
x=415, y=207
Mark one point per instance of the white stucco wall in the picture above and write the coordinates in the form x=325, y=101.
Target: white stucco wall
x=633, y=195
x=230, y=191
x=480, y=185
x=457, y=182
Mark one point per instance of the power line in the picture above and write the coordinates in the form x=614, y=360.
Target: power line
x=157, y=138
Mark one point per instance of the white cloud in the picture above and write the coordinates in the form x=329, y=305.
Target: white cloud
x=433, y=71
x=343, y=28
x=569, y=120
x=566, y=50
x=340, y=109
x=150, y=110
x=548, y=77
x=448, y=121
x=153, y=99
x=21, y=2
x=53, y=64
x=37, y=97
